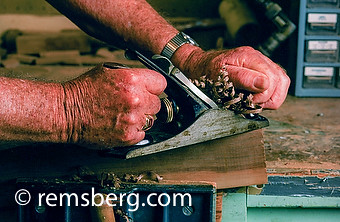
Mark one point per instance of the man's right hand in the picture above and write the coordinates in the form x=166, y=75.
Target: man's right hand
x=107, y=107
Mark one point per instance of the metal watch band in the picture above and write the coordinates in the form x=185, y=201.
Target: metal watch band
x=176, y=42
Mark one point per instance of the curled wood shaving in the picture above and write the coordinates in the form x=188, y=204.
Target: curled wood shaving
x=223, y=92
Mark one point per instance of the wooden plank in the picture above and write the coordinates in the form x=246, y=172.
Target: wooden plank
x=293, y=214
x=37, y=7
x=37, y=43
x=58, y=60
x=24, y=59
x=306, y=186
x=219, y=205
x=60, y=53
x=10, y=63
x=262, y=201
x=44, y=73
x=229, y=162
x=240, y=207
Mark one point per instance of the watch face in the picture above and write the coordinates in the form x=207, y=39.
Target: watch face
x=189, y=39
x=192, y=41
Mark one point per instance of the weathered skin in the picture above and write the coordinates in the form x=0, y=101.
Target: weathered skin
x=248, y=69
x=102, y=108
x=106, y=108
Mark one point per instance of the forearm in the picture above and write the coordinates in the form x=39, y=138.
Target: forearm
x=31, y=111
x=132, y=23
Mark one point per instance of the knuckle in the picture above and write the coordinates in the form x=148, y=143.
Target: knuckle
x=155, y=104
x=286, y=79
x=131, y=78
x=247, y=49
x=130, y=99
x=134, y=101
x=162, y=81
x=130, y=119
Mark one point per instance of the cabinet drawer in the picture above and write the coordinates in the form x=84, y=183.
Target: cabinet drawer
x=318, y=77
x=322, y=51
x=322, y=23
x=322, y=3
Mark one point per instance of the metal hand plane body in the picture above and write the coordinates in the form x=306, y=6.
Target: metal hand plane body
x=187, y=115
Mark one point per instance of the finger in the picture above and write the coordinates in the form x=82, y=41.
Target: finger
x=135, y=137
x=247, y=79
x=153, y=105
x=129, y=128
x=263, y=97
x=278, y=96
x=154, y=82
x=126, y=139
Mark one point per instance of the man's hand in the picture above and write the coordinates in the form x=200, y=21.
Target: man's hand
x=248, y=69
x=107, y=107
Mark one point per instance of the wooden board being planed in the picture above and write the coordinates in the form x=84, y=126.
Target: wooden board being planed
x=229, y=162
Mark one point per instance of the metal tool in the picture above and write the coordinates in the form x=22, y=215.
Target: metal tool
x=178, y=76
x=187, y=115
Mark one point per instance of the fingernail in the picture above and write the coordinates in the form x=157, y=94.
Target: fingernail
x=260, y=82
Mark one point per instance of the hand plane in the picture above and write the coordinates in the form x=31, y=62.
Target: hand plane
x=187, y=116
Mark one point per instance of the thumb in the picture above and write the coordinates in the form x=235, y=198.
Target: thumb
x=248, y=79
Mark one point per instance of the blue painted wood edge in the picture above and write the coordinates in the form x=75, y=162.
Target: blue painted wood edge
x=260, y=201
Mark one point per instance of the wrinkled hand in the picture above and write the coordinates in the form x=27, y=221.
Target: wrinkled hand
x=106, y=107
x=248, y=69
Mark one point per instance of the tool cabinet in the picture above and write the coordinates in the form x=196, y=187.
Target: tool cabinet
x=318, y=62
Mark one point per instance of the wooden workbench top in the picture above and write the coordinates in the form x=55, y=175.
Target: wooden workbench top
x=304, y=137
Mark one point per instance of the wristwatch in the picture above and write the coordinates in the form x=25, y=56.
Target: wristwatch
x=176, y=42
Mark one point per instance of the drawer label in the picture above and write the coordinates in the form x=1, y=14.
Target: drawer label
x=319, y=71
x=322, y=18
x=322, y=45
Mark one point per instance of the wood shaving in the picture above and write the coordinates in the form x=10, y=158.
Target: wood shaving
x=223, y=92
